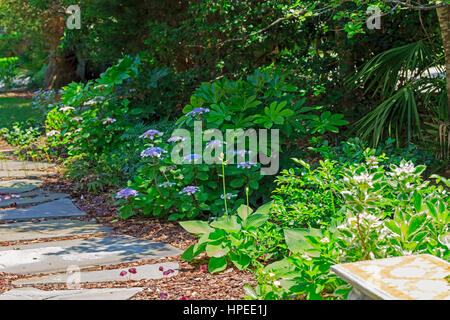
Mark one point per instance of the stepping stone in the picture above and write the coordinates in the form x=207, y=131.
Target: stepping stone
x=148, y=271
x=83, y=294
x=19, y=186
x=49, y=229
x=32, y=197
x=62, y=208
x=59, y=255
x=22, y=174
x=16, y=165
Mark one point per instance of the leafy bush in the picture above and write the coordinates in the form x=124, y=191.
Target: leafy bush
x=22, y=133
x=228, y=238
x=376, y=212
x=88, y=122
x=8, y=70
x=264, y=100
x=385, y=213
x=355, y=150
x=305, y=196
x=187, y=189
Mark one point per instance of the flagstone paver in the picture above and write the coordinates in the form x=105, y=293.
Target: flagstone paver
x=67, y=255
x=16, y=165
x=59, y=255
x=33, y=197
x=83, y=294
x=148, y=271
x=62, y=208
x=19, y=174
x=49, y=229
x=19, y=186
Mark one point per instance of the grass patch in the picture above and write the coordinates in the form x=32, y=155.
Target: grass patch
x=16, y=110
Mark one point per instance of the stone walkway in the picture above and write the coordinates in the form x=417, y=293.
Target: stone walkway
x=28, y=213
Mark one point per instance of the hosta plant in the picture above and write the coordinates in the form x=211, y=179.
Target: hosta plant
x=230, y=238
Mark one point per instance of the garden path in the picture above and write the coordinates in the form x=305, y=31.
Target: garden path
x=46, y=239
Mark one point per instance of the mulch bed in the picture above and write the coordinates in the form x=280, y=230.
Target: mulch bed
x=191, y=282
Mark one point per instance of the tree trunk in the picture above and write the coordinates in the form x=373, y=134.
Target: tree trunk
x=444, y=21
x=63, y=66
x=61, y=70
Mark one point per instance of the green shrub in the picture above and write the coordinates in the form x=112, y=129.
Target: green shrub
x=22, y=133
x=385, y=213
x=264, y=100
x=87, y=125
x=306, y=196
x=8, y=70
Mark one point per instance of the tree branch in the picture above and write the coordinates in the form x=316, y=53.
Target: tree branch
x=418, y=7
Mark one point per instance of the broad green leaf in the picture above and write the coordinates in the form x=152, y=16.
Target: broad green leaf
x=196, y=227
x=243, y=211
x=188, y=255
x=215, y=251
x=241, y=261
x=250, y=292
x=217, y=264
x=264, y=209
x=416, y=223
x=227, y=223
x=392, y=225
x=256, y=220
x=296, y=241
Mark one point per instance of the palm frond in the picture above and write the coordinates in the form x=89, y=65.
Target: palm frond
x=391, y=116
x=392, y=69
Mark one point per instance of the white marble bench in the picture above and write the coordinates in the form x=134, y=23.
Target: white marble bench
x=418, y=277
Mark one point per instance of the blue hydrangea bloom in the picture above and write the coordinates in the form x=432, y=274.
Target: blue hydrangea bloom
x=197, y=111
x=125, y=193
x=154, y=152
x=150, y=134
x=190, y=190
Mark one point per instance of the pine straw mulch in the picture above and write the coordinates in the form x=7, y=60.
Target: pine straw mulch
x=190, y=281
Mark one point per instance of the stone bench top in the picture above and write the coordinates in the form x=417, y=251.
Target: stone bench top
x=417, y=277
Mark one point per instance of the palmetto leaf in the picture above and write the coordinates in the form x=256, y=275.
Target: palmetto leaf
x=396, y=75
x=395, y=114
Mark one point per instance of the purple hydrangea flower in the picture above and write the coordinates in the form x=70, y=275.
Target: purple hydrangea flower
x=246, y=165
x=176, y=139
x=197, y=111
x=125, y=193
x=190, y=190
x=151, y=134
x=153, y=152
